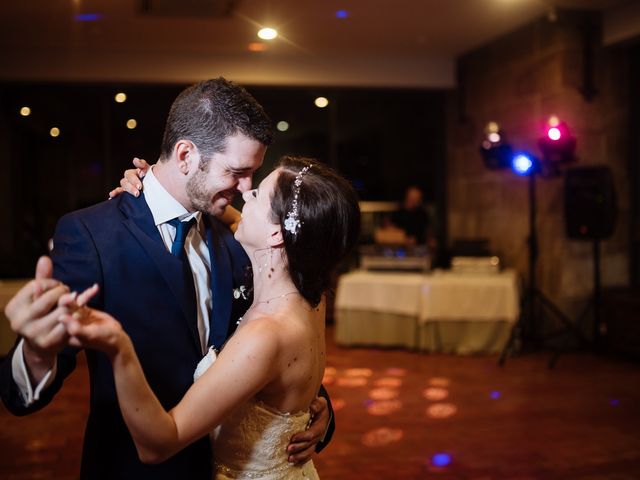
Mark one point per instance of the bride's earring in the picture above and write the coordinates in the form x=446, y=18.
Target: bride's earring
x=271, y=270
x=261, y=266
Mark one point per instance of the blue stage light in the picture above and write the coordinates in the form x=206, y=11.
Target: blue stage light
x=522, y=164
x=88, y=17
x=441, y=459
x=342, y=14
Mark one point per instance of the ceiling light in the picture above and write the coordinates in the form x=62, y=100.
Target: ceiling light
x=282, y=126
x=257, y=47
x=131, y=123
x=25, y=111
x=54, y=132
x=267, y=33
x=121, y=97
x=321, y=102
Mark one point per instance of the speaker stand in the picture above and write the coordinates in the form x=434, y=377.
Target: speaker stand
x=594, y=306
x=525, y=329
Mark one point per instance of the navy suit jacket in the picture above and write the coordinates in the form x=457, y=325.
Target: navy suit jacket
x=116, y=244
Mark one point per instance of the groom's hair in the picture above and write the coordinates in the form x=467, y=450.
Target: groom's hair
x=329, y=215
x=210, y=111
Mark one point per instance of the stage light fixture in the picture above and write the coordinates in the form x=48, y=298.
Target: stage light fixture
x=557, y=144
x=496, y=152
x=524, y=164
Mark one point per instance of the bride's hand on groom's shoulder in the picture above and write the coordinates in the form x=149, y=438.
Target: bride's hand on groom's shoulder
x=303, y=444
x=131, y=181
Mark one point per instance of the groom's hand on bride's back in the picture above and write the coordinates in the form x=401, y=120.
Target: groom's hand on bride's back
x=303, y=444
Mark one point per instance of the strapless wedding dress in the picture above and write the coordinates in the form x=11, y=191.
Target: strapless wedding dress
x=251, y=442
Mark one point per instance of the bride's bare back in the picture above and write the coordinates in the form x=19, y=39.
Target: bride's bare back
x=300, y=364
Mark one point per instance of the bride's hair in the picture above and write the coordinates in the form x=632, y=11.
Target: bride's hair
x=329, y=215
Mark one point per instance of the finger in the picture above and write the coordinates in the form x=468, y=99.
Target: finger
x=318, y=405
x=302, y=440
x=302, y=457
x=87, y=295
x=44, y=268
x=68, y=300
x=42, y=285
x=31, y=312
x=75, y=342
x=20, y=303
x=142, y=165
x=115, y=192
x=38, y=332
x=127, y=186
x=72, y=325
x=56, y=336
x=133, y=179
x=45, y=302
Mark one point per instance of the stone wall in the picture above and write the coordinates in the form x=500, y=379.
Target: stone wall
x=519, y=80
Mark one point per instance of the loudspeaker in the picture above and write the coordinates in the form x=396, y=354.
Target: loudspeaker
x=590, y=206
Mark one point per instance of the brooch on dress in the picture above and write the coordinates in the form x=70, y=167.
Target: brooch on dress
x=241, y=291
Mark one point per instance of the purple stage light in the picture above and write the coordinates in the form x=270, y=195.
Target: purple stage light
x=88, y=17
x=441, y=459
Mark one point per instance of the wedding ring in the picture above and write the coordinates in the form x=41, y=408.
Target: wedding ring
x=81, y=313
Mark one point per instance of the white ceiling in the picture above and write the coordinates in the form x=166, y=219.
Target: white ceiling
x=411, y=43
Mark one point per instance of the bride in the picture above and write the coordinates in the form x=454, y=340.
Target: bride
x=255, y=393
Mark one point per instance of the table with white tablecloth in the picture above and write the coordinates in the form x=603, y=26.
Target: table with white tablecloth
x=8, y=288
x=441, y=311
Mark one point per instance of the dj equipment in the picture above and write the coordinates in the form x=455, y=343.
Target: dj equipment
x=395, y=258
x=488, y=264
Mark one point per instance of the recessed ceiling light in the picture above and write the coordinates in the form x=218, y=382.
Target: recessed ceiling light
x=121, y=97
x=282, y=126
x=321, y=102
x=54, y=132
x=25, y=111
x=267, y=33
x=132, y=123
x=257, y=47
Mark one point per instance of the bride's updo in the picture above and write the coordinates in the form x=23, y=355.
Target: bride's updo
x=329, y=216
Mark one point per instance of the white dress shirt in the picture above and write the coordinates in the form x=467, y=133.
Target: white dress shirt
x=163, y=209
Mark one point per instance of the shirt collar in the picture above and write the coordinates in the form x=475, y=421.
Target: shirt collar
x=162, y=205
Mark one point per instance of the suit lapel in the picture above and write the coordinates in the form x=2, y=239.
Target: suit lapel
x=176, y=273
x=221, y=287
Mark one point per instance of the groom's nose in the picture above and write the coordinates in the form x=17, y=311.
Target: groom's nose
x=244, y=184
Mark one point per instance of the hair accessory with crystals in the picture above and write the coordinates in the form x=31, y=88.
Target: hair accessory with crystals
x=292, y=222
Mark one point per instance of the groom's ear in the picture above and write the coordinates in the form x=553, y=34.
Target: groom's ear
x=186, y=154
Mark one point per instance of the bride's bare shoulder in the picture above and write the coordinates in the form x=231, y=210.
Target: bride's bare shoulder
x=279, y=328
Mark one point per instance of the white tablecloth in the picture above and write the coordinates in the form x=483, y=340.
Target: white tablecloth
x=471, y=296
x=438, y=296
x=442, y=311
x=8, y=288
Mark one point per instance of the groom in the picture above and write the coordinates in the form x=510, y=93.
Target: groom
x=166, y=269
